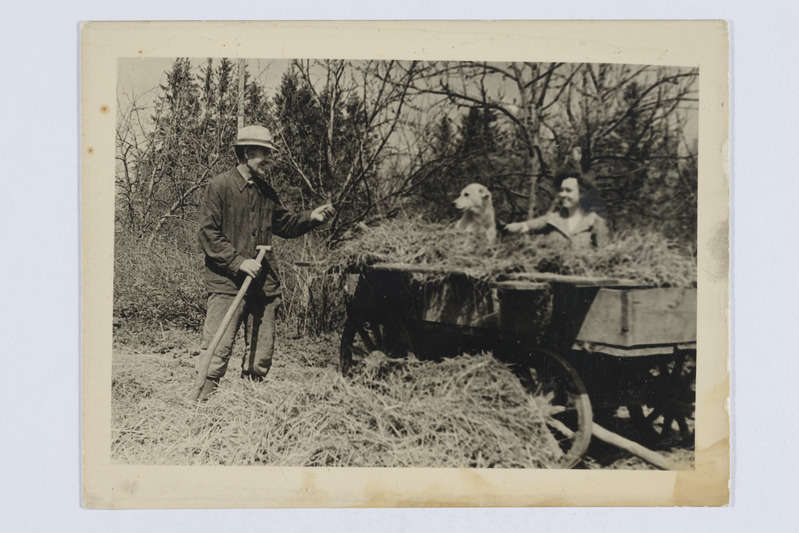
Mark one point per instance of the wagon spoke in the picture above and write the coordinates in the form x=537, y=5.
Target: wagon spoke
x=360, y=352
x=669, y=407
x=561, y=397
x=683, y=424
x=690, y=378
x=675, y=379
x=390, y=343
x=365, y=334
x=656, y=412
x=535, y=383
x=379, y=340
x=666, y=428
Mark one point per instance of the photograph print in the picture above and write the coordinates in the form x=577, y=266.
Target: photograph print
x=396, y=263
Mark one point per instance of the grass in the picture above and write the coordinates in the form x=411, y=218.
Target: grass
x=158, y=286
x=468, y=411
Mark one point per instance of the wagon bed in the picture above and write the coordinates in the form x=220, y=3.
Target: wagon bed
x=623, y=342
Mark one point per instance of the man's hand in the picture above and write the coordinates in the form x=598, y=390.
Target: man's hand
x=516, y=227
x=251, y=267
x=323, y=212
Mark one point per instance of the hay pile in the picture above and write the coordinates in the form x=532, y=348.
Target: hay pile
x=648, y=258
x=469, y=411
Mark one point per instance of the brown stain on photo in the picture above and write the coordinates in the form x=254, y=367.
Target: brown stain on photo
x=90, y=150
x=309, y=489
x=103, y=109
x=710, y=484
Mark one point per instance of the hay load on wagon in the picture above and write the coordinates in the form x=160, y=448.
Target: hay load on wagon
x=646, y=257
x=617, y=315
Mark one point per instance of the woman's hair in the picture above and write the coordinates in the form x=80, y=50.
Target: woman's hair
x=590, y=200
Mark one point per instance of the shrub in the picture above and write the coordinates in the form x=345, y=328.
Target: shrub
x=160, y=284
x=313, y=294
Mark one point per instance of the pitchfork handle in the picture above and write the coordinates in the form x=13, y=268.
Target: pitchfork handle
x=205, y=358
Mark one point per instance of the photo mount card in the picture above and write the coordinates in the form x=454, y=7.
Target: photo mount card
x=124, y=76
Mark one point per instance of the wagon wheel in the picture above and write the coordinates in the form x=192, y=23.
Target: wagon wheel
x=367, y=333
x=563, y=400
x=666, y=417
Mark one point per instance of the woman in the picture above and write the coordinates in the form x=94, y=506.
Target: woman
x=573, y=215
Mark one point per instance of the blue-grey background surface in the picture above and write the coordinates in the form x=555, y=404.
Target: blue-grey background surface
x=40, y=340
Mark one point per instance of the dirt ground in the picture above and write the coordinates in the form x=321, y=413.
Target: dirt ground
x=307, y=414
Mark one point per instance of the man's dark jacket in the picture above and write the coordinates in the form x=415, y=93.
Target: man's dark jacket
x=236, y=216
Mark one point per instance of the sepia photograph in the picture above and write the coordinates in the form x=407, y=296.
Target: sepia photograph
x=325, y=264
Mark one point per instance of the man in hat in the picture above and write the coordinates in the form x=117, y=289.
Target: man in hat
x=239, y=212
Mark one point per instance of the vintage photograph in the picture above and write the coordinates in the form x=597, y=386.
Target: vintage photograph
x=328, y=262
x=477, y=264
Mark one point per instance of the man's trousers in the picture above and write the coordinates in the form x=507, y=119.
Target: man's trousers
x=258, y=318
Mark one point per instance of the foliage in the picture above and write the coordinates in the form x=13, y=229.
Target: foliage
x=474, y=151
x=161, y=285
x=313, y=297
x=626, y=126
x=158, y=285
x=383, y=139
x=380, y=137
x=165, y=162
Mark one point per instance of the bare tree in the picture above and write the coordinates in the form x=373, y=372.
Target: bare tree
x=608, y=120
x=370, y=136
x=166, y=155
x=629, y=125
x=522, y=94
x=360, y=106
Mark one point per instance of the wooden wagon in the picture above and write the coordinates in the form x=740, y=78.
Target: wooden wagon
x=579, y=345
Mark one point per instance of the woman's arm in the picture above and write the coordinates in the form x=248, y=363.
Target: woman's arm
x=532, y=225
x=599, y=233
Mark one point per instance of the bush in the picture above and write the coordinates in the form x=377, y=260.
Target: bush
x=313, y=296
x=160, y=284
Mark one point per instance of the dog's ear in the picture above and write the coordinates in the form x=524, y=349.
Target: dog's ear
x=484, y=193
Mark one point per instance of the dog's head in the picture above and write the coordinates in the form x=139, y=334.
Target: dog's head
x=474, y=197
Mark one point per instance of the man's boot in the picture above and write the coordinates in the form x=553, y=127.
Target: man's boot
x=251, y=377
x=211, y=384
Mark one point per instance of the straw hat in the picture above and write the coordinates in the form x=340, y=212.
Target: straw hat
x=255, y=136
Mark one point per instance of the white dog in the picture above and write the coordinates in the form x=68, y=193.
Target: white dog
x=478, y=212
